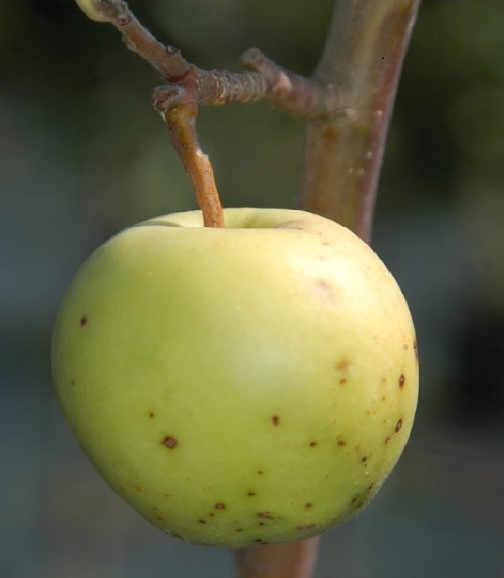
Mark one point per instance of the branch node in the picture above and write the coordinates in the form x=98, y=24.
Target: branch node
x=167, y=96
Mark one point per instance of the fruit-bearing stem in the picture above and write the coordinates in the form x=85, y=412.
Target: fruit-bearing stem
x=182, y=130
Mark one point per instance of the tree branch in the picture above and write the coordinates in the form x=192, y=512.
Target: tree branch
x=295, y=560
x=308, y=97
x=364, y=52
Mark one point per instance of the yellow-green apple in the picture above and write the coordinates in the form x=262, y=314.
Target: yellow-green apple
x=246, y=385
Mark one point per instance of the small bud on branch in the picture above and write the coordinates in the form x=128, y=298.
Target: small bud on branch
x=96, y=10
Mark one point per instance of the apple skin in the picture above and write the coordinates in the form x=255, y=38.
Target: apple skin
x=248, y=385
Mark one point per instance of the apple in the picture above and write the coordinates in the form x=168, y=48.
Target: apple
x=246, y=385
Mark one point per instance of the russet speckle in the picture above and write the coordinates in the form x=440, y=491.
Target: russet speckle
x=265, y=515
x=324, y=289
x=343, y=364
x=170, y=442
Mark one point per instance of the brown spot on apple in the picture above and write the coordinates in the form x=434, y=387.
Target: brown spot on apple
x=275, y=419
x=265, y=515
x=305, y=527
x=220, y=506
x=83, y=320
x=398, y=425
x=343, y=364
x=324, y=289
x=170, y=442
x=402, y=380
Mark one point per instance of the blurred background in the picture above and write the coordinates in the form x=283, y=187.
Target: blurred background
x=82, y=155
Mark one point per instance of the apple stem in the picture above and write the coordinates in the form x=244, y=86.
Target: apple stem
x=179, y=110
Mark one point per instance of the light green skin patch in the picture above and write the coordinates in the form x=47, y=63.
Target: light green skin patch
x=248, y=385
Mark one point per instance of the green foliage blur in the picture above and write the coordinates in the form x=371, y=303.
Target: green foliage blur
x=83, y=154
